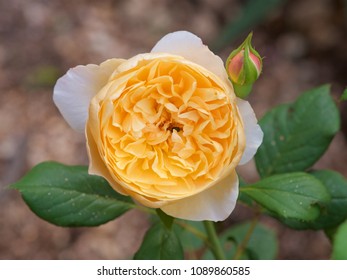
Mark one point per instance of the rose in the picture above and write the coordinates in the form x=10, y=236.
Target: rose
x=244, y=66
x=164, y=127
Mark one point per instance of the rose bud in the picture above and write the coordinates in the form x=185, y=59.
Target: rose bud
x=244, y=66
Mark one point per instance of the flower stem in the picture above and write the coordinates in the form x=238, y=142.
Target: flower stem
x=187, y=227
x=241, y=247
x=194, y=231
x=215, y=245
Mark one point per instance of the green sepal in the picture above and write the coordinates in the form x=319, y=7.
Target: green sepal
x=248, y=73
x=242, y=91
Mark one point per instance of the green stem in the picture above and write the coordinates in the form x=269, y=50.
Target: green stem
x=215, y=245
x=194, y=231
x=241, y=247
x=187, y=227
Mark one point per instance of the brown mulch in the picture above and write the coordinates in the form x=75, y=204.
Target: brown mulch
x=304, y=46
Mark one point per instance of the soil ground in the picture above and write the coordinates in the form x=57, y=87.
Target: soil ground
x=303, y=43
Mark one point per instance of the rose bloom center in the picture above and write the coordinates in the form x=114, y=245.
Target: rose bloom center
x=167, y=128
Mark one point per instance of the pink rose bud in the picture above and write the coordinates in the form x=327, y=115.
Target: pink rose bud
x=244, y=66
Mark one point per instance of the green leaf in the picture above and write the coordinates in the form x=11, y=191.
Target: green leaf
x=297, y=135
x=292, y=195
x=165, y=219
x=344, y=95
x=243, y=198
x=160, y=243
x=253, y=12
x=340, y=243
x=333, y=212
x=188, y=239
x=68, y=196
x=262, y=244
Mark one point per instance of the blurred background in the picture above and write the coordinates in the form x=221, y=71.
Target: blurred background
x=304, y=43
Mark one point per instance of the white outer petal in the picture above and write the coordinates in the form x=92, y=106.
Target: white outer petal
x=191, y=47
x=214, y=204
x=254, y=134
x=73, y=91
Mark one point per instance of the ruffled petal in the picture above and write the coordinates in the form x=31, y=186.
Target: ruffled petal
x=191, y=47
x=73, y=91
x=214, y=204
x=253, y=132
x=96, y=164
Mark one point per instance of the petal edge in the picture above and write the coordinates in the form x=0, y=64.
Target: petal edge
x=254, y=134
x=214, y=204
x=73, y=91
x=191, y=47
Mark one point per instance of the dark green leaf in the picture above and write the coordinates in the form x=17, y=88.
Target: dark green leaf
x=252, y=13
x=340, y=243
x=297, y=135
x=292, y=195
x=262, y=244
x=243, y=198
x=165, y=219
x=344, y=95
x=330, y=233
x=333, y=212
x=188, y=239
x=160, y=243
x=68, y=196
